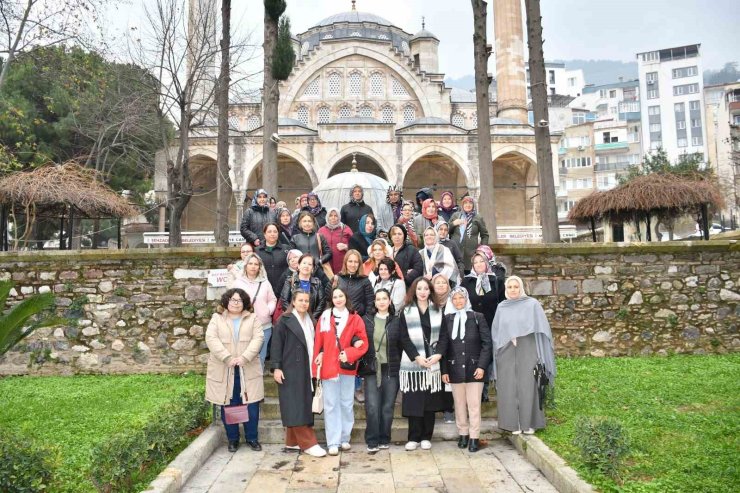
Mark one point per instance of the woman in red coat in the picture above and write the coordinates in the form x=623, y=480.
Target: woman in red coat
x=337, y=235
x=340, y=342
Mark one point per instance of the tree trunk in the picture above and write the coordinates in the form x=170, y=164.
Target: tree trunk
x=270, y=100
x=486, y=199
x=14, y=47
x=223, y=182
x=548, y=205
x=180, y=186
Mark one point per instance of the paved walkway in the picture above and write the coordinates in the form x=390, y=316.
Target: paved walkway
x=497, y=467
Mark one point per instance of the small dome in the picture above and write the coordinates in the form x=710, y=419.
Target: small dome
x=353, y=16
x=423, y=34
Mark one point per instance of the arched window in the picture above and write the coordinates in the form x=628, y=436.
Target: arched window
x=312, y=89
x=409, y=114
x=345, y=111
x=302, y=115
x=458, y=120
x=366, y=111
x=324, y=114
x=253, y=121
x=355, y=84
x=398, y=89
x=376, y=84
x=335, y=84
x=387, y=115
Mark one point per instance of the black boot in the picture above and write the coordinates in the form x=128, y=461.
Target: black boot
x=233, y=445
x=462, y=442
x=474, y=445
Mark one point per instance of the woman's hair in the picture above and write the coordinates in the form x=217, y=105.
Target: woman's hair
x=259, y=261
x=330, y=299
x=437, y=297
x=224, y=304
x=300, y=259
x=411, y=293
x=306, y=214
x=264, y=228
x=391, y=307
x=391, y=264
x=402, y=229
x=345, y=271
x=294, y=296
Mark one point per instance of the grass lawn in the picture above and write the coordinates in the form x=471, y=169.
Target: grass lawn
x=682, y=414
x=73, y=414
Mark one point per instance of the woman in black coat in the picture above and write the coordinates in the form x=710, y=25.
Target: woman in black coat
x=256, y=217
x=353, y=210
x=291, y=351
x=274, y=257
x=486, y=290
x=405, y=254
x=465, y=343
x=303, y=280
x=357, y=286
x=363, y=237
x=307, y=240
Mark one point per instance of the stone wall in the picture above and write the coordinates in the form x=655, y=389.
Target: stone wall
x=147, y=310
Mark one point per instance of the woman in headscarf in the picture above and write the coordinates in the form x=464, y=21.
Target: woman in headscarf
x=254, y=282
x=443, y=230
x=356, y=208
x=287, y=227
x=486, y=290
x=441, y=294
x=364, y=236
x=427, y=218
x=307, y=240
x=394, y=198
x=465, y=344
x=468, y=230
x=437, y=258
x=301, y=202
x=420, y=376
x=388, y=279
x=447, y=205
x=316, y=209
x=256, y=217
x=405, y=254
x=522, y=340
x=291, y=353
x=407, y=221
x=337, y=236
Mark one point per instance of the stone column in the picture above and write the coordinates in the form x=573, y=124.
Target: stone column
x=511, y=82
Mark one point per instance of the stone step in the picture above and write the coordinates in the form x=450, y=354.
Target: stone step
x=270, y=409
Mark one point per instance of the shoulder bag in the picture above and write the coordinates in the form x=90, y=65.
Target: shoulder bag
x=317, y=403
x=233, y=415
x=326, y=266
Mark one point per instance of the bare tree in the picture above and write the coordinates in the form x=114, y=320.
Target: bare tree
x=270, y=96
x=548, y=205
x=223, y=183
x=30, y=23
x=481, y=52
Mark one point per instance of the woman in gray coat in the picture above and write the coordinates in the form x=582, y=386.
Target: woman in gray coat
x=468, y=229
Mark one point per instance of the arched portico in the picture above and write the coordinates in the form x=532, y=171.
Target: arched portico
x=293, y=179
x=367, y=159
x=200, y=213
x=516, y=189
x=439, y=168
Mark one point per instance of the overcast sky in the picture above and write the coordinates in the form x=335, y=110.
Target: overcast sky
x=573, y=29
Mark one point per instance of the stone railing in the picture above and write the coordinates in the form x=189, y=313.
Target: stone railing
x=147, y=310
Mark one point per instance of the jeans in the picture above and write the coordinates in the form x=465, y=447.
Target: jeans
x=263, y=351
x=339, y=417
x=250, y=427
x=379, y=405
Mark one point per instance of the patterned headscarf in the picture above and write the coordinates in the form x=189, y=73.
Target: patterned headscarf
x=287, y=229
x=395, y=207
x=482, y=282
x=313, y=210
x=351, y=193
x=452, y=196
x=424, y=206
x=468, y=216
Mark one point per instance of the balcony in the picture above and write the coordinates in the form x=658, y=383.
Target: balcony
x=612, y=166
x=611, y=146
x=734, y=106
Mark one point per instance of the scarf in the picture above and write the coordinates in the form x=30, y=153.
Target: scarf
x=352, y=199
x=431, y=255
x=339, y=223
x=482, y=281
x=395, y=206
x=287, y=229
x=450, y=209
x=255, y=206
x=369, y=237
x=309, y=334
x=317, y=209
x=424, y=213
x=461, y=316
x=412, y=377
x=468, y=217
x=340, y=320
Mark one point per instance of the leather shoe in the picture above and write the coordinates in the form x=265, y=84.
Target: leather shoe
x=474, y=445
x=462, y=442
x=233, y=445
x=255, y=445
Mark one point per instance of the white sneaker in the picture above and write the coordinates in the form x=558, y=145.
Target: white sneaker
x=384, y=446
x=372, y=449
x=346, y=446
x=412, y=446
x=426, y=444
x=517, y=432
x=291, y=448
x=529, y=431
x=333, y=450
x=316, y=451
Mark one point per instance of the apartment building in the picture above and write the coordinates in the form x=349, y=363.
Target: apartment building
x=617, y=100
x=672, y=109
x=722, y=107
x=560, y=80
x=576, y=171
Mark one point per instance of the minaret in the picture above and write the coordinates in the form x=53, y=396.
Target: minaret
x=511, y=82
x=203, y=26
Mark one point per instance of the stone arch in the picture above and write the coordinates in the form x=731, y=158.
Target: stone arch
x=439, y=168
x=515, y=182
x=297, y=81
x=363, y=151
x=287, y=152
x=446, y=152
x=293, y=178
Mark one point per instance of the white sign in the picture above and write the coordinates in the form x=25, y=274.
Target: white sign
x=218, y=278
x=522, y=233
x=192, y=238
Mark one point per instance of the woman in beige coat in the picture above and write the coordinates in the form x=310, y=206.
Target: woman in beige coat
x=234, y=376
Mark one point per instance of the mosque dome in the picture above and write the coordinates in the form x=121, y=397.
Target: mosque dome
x=355, y=17
x=423, y=34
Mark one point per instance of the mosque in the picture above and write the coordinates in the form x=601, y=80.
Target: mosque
x=367, y=92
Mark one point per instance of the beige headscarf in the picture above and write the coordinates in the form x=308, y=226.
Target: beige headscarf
x=518, y=279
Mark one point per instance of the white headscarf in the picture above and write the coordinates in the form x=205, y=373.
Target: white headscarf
x=461, y=316
x=521, y=286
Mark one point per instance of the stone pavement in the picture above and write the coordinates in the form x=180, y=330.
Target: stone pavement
x=497, y=467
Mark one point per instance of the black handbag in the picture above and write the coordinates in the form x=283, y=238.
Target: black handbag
x=346, y=365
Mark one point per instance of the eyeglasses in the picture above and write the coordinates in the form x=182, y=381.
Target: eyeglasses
x=235, y=300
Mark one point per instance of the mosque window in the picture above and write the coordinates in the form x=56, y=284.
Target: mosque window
x=304, y=48
x=383, y=36
x=324, y=114
x=312, y=89
x=398, y=89
x=387, y=115
x=253, y=122
x=376, y=84
x=475, y=120
x=328, y=36
x=302, y=115
x=366, y=111
x=355, y=34
x=334, y=84
x=355, y=84
x=345, y=111
x=234, y=122
x=409, y=114
x=458, y=120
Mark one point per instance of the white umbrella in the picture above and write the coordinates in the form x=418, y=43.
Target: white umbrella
x=335, y=192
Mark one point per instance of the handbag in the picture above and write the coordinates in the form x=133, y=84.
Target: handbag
x=236, y=414
x=326, y=266
x=277, y=313
x=345, y=365
x=317, y=403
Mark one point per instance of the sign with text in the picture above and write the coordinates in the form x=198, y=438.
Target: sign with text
x=218, y=278
x=192, y=238
x=531, y=233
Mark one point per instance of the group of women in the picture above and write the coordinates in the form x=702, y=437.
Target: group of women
x=403, y=312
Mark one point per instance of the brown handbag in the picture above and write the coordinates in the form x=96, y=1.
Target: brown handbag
x=239, y=413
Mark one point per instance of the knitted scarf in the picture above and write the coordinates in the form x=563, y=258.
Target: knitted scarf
x=412, y=377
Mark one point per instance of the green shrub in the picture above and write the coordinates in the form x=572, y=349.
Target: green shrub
x=603, y=443
x=118, y=462
x=25, y=467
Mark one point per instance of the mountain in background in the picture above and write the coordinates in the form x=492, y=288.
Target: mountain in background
x=464, y=82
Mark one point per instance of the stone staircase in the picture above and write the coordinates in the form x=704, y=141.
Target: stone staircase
x=272, y=431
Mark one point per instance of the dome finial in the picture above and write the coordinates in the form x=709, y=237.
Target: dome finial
x=423, y=23
x=354, y=160
x=353, y=4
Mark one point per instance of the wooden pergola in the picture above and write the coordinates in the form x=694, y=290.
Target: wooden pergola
x=648, y=196
x=67, y=192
